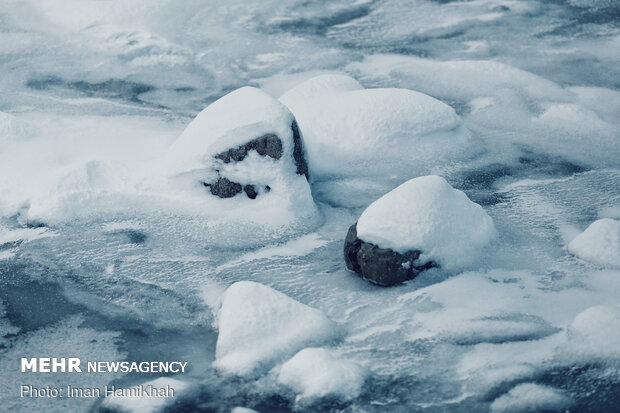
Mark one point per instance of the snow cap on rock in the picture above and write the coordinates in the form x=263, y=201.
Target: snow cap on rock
x=599, y=243
x=428, y=215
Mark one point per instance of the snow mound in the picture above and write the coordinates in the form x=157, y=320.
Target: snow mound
x=351, y=131
x=530, y=397
x=595, y=332
x=243, y=158
x=320, y=85
x=316, y=372
x=137, y=404
x=242, y=410
x=259, y=325
x=427, y=214
x=599, y=243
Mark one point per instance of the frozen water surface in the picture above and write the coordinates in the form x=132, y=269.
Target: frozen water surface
x=98, y=261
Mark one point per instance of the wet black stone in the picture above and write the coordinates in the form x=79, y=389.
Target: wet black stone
x=381, y=266
x=250, y=191
x=225, y=188
x=266, y=145
x=298, y=152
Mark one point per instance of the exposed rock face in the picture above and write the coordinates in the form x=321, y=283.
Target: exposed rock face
x=224, y=188
x=267, y=145
x=381, y=266
x=298, y=152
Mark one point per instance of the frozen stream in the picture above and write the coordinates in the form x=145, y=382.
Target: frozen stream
x=95, y=265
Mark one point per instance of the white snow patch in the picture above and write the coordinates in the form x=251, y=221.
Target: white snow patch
x=530, y=397
x=595, y=332
x=242, y=410
x=259, y=325
x=599, y=243
x=138, y=404
x=316, y=373
x=427, y=214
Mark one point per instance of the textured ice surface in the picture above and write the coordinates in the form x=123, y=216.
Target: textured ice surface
x=428, y=215
x=258, y=325
x=315, y=372
x=94, y=93
x=599, y=243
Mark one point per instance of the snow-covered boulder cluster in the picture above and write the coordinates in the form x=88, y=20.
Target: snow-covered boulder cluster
x=350, y=131
x=599, y=243
x=422, y=223
x=259, y=326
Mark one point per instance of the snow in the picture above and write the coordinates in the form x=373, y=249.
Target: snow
x=231, y=121
x=599, y=243
x=531, y=397
x=316, y=373
x=242, y=410
x=427, y=214
x=536, y=111
x=137, y=404
x=93, y=95
x=259, y=326
x=350, y=131
x=595, y=332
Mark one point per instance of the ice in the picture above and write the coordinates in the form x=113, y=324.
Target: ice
x=354, y=132
x=427, y=214
x=531, y=397
x=67, y=338
x=316, y=373
x=599, y=243
x=137, y=404
x=259, y=326
x=6, y=328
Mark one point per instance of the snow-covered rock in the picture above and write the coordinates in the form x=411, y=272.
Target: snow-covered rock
x=595, y=332
x=531, y=397
x=599, y=243
x=422, y=221
x=316, y=372
x=143, y=404
x=259, y=325
x=350, y=131
x=245, y=146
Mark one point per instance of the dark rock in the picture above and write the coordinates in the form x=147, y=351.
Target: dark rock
x=381, y=266
x=298, y=152
x=250, y=191
x=266, y=145
x=224, y=188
